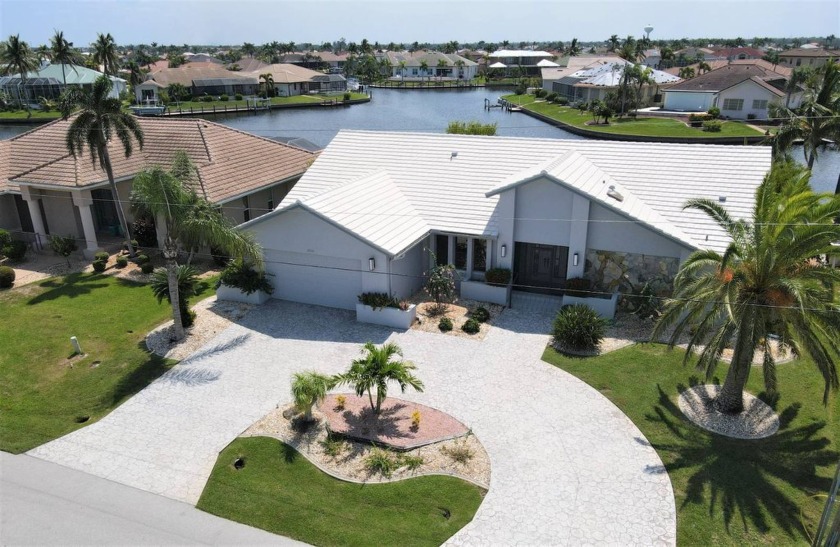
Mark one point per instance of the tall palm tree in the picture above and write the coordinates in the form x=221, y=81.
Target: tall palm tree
x=268, y=82
x=184, y=216
x=817, y=120
x=105, y=54
x=424, y=66
x=17, y=57
x=574, y=48
x=766, y=284
x=441, y=64
x=375, y=369
x=100, y=118
x=687, y=72
x=42, y=52
x=402, y=66
x=62, y=51
x=308, y=389
x=613, y=43
x=135, y=73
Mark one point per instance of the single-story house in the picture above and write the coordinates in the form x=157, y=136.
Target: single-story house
x=810, y=57
x=45, y=190
x=200, y=79
x=594, y=82
x=739, y=53
x=48, y=82
x=740, y=91
x=569, y=65
x=525, y=59
x=444, y=66
x=377, y=209
x=290, y=80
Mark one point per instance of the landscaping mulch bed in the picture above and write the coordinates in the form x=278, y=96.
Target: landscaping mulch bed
x=393, y=426
x=756, y=421
x=458, y=312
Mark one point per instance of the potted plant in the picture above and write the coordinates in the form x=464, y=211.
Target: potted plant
x=240, y=282
x=384, y=309
x=494, y=289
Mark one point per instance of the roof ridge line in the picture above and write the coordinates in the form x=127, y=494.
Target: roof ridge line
x=266, y=139
x=41, y=166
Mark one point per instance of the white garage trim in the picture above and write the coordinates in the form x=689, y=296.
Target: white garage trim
x=314, y=279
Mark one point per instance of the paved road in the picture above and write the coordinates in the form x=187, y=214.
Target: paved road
x=43, y=503
x=568, y=466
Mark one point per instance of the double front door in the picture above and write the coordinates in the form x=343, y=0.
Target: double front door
x=540, y=268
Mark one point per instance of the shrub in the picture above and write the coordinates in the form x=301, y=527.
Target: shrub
x=99, y=266
x=578, y=286
x=147, y=267
x=5, y=238
x=714, y=112
x=122, y=262
x=238, y=96
x=481, y=314
x=712, y=126
x=445, y=324
x=16, y=250
x=224, y=98
x=497, y=276
x=207, y=99
x=578, y=328
x=187, y=284
x=520, y=89
x=378, y=300
x=102, y=255
x=441, y=285
x=133, y=244
x=347, y=96
x=241, y=275
x=471, y=326
x=415, y=419
x=381, y=461
x=551, y=97
x=540, y=93
x=142, y=259
x=561, y=100
x=333, y=447
x=411, y=462
x=7, y=277
x=460, y=453
x=144, y=232
x=340, y=401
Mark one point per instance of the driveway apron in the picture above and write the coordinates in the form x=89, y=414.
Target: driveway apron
x=568, y=467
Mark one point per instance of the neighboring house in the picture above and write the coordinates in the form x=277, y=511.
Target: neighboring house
x=713, y=65
x=202, y=58
x=739, y=53
x=525, y=59
x=290, y=80
x=652, y=58
x=810, y=57
x=45, y=190
x=48, y=82
x=377, y=209
x=443, y=66
x=248, y=64
x=201, y=79
x=740, y=91
x=569, y=65
x=594, y=82
x=690, y=55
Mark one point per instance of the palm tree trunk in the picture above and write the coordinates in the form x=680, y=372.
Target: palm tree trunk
x=370, y=398
x=174, y=297
x=730, y=400
x=106, y=163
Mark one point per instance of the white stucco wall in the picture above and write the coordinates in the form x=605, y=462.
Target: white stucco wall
x=748, y=91
x=62, y=216
x=542, y=212
x=9, y=219
x=406, y=273
x=610, y=231
x=689, y=101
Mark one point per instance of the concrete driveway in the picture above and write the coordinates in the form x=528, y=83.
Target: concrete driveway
x=567, y=466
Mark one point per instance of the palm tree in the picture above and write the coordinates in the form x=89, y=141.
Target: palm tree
x=424, y=67
x=703, y=67
x=62, y=51
x=460, y=64
x=186, y=279
x=402, y=66
x=185, y=217
x=687, y=72
x=375, y=370
x=308, y=389
x=441, y=64
x=100, y=118
x=18, y=58
x=135, y=74
x=268, y=83
x=248, y=49
x=817, y=120
x=613, y=43
x=42, y=52
x=574, y=48
x=105, y=54
x=766, y=284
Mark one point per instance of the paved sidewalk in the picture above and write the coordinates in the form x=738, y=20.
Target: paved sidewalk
x=567, y=466
x=43, y=503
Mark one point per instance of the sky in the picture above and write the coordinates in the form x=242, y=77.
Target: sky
x=214, y=22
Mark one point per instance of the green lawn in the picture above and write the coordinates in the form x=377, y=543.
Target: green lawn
x=22, y=115
x=280, y=491
x=648, y=127
x=728, y=491
x=41, y=395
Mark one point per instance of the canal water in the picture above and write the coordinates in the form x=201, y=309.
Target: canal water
x=424, y=111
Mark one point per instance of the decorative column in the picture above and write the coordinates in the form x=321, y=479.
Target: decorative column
x=31, y=200
x=83, y=200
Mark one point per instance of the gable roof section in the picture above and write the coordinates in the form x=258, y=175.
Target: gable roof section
x=5, y=186
x=725, y=77
x=448, y=191
x=284, y=73
x=187, y=73
x=230, y=163
x=576, y=172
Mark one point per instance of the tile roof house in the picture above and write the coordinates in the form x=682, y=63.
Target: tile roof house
x=443, y=66
x=203, y=78
x=45, y=190
x=48, y=81
x=811, y=57
x=740, y=91
x=595, y=81
x=376, y=210
x=292, y=80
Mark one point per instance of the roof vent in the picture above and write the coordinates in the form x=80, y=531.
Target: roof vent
x=453, y=156
x=615, y=194
x=722, y=199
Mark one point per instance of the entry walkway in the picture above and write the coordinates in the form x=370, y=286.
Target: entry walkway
x=567, y=466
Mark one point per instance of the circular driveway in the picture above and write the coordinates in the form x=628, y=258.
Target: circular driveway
x=568, y=467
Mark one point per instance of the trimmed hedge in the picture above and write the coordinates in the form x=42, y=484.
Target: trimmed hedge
x=7, y=277
x=471, y=326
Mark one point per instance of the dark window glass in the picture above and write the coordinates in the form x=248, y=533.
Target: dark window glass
x=441, y=250
x=461, y=253
x=479, y=255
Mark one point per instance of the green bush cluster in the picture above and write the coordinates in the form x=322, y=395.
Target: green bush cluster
x=5, y=238
x=122, y=262
x=224, y=98
x=578, y=328
x=142, y=259
x=540, y=93
x=99, y=265
x=712, y=126
x=562, y=100
x=207, y=99
x=241, y=274
x=481, y=314
x=147, y=267
x=497, y=276
x=347, y=96
x=15, y=250
x=238, y=96
x=7, y=277
x=445, y=324
x=101, y=255
x=378, y=300
x=551, y=97
x=714, y=112
x=385, y=462
x=471, y=326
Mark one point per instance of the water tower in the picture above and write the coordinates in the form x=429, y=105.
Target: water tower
x=648, y=30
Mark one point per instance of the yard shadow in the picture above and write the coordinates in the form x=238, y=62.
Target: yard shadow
x=147, y=372
x=191, y=376
x=217, y=349
x=283, y=319
x=736, y=476
x=69, y=286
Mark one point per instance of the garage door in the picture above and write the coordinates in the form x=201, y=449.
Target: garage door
x=315, y=279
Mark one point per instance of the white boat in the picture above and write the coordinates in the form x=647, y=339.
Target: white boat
x=149, y=108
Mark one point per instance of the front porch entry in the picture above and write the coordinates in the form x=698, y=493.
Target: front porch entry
x=105, y=217
x=540, y=268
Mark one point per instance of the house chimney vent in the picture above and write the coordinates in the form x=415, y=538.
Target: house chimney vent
x=615, y=194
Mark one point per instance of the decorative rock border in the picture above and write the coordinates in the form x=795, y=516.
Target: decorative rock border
x=757, y=421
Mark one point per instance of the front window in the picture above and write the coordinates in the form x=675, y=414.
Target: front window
x=441, y=250
x=733, y=104
x=480, y=255
x=461, y=253
x=759, y=104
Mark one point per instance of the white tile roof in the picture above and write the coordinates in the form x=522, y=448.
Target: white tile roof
x=448, y=191
x=373, y=208
x=610, y=74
